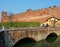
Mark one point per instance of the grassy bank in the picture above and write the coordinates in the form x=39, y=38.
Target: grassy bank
x=20, y=24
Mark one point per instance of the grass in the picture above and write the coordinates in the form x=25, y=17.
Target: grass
x=26, y=24
x=20, y=24
x=0, y=25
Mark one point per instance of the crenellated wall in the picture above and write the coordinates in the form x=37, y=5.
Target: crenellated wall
x=32, y=15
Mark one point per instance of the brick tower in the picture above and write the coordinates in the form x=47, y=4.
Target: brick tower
x=5, y=18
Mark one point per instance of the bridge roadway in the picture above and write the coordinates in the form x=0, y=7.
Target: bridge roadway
x=14, y=35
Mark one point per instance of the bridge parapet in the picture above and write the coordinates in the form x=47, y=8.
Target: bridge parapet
x=36, y=28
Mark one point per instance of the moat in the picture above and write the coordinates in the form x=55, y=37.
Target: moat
x=55, y=42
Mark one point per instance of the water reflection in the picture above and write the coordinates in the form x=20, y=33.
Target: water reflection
x=42, y=43
x=51, y=37
x=25, y=42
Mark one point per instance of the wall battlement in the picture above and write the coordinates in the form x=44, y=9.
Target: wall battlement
x=30, y=14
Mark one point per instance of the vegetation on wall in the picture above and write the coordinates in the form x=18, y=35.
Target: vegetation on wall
x=19, y=24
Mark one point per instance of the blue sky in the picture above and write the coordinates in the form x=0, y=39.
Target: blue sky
x=18, y=6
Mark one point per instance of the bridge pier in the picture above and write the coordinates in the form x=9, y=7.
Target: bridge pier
x=8, y=40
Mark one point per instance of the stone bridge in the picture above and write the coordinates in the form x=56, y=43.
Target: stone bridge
x=14, y=35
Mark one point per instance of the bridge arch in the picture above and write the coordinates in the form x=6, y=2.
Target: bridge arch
x=51, y=37
x=24, y=40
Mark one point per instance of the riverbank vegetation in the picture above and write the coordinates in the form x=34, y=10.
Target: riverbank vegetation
x=19, y=24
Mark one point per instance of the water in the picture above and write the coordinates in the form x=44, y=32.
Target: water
x=43, y=43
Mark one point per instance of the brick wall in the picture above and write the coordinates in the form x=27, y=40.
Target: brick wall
x=32, y=15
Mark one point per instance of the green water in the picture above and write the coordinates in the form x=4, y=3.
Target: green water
x=43, y=43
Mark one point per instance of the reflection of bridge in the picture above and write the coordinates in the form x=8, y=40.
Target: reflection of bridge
x=12, y=36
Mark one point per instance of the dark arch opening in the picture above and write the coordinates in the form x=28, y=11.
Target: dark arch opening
x=2, y=40
x=24, y=41
x=51, y=37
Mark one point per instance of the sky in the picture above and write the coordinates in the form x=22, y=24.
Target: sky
x=19, y=6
